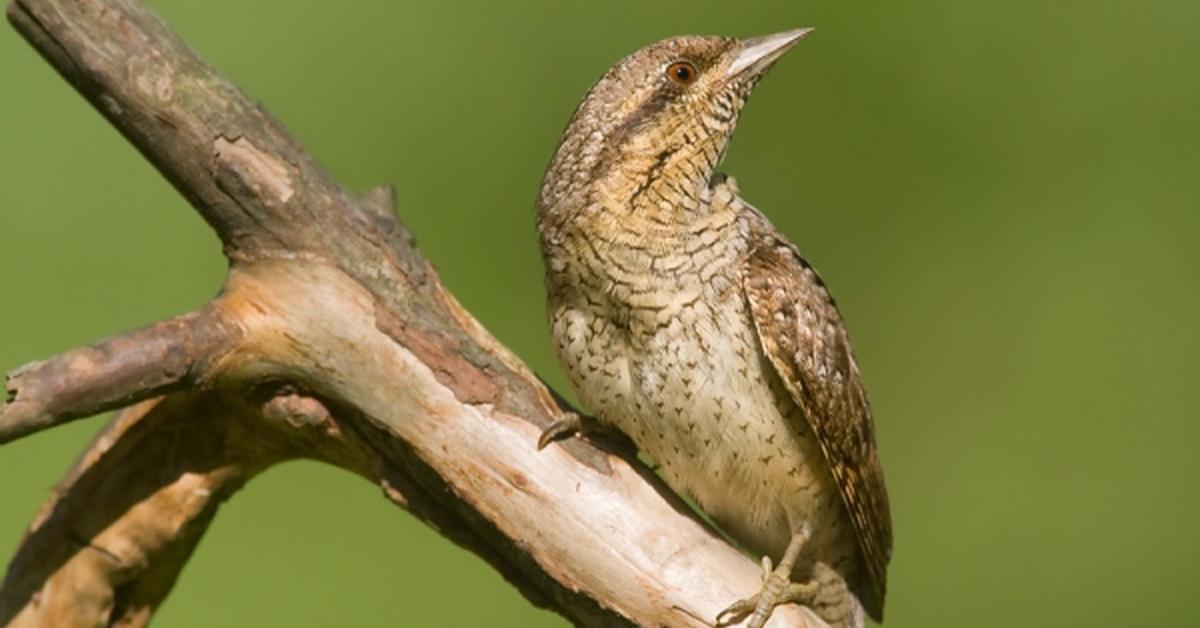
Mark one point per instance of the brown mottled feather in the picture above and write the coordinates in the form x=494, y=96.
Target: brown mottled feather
x=803, y=337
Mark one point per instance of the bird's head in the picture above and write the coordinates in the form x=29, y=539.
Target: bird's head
x=665, y=111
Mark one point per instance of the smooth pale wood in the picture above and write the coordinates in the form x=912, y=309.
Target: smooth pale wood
x=338, y=343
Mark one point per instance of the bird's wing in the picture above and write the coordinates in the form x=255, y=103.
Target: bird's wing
x=802, y=335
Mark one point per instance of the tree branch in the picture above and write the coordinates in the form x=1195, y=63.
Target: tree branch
x=332, y=339
x=110, y=374
x=108, y=545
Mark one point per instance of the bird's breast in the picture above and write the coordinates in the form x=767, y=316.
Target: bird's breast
x=694, y=391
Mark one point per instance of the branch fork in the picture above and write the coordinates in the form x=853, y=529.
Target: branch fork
x=332, y=339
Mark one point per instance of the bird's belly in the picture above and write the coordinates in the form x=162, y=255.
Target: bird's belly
x=696, y=394
x=710, y=416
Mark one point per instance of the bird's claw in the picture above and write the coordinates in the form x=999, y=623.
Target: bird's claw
x=777, y=588
x=570, y=424
x=736, y=611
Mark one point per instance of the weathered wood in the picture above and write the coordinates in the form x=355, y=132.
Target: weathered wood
x=338, y=343
x=111, y=374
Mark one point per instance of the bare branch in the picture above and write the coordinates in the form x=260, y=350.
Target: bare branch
x=110, y=374
x=342, y=346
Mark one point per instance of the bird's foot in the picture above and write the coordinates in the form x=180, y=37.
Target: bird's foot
x=777, y=589
x=571, y=424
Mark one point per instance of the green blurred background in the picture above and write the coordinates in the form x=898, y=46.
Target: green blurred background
x=1004, y=197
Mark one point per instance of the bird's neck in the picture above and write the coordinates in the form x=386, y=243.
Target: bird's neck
x=647, y=190
x=662, y=178
x=628, y=219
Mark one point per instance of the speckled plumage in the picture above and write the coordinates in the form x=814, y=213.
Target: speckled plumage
x=688, y=322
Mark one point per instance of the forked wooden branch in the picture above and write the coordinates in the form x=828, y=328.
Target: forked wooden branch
x=334, y=340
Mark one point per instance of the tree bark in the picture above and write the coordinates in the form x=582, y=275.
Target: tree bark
x=332, y=339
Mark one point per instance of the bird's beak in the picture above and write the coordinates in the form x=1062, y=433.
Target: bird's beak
x=759, y=53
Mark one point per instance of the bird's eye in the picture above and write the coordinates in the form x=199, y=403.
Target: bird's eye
x=682, y=72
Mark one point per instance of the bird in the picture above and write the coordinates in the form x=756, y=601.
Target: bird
x=687, y=322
